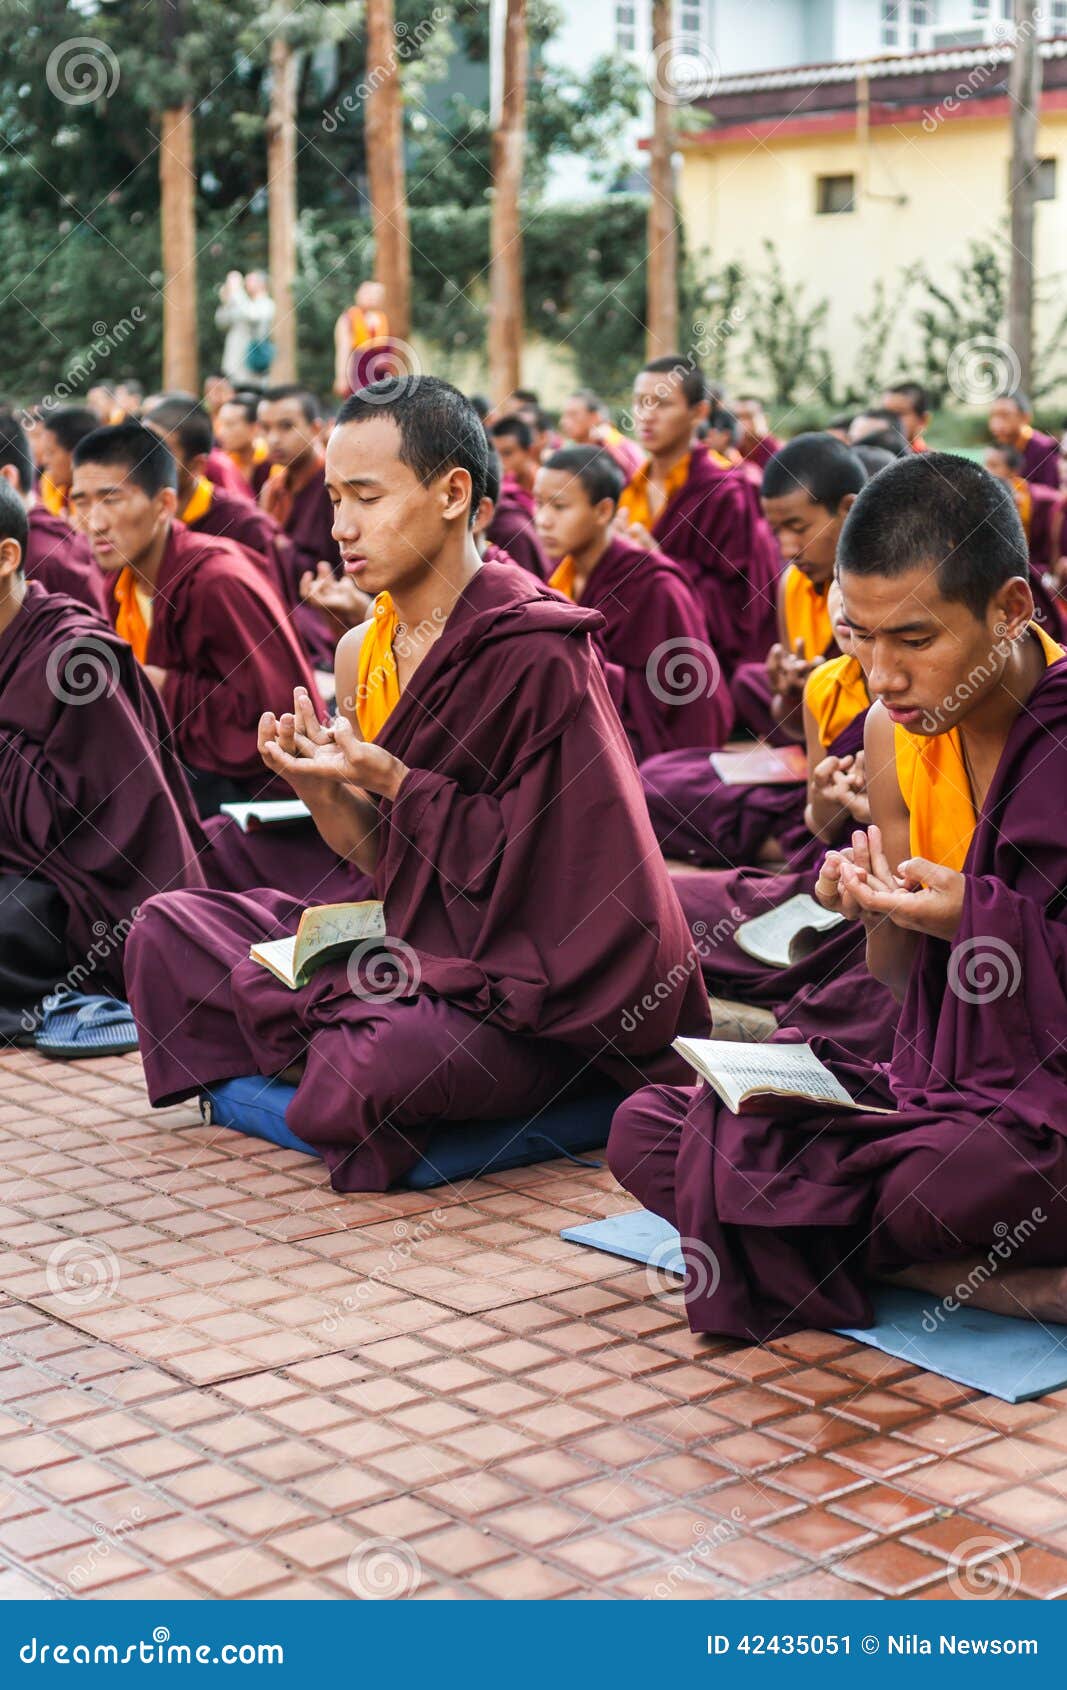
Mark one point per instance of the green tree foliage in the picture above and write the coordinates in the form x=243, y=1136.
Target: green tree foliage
x=785, y=348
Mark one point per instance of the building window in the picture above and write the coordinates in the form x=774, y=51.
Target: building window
x=890, y=24
x=689, y=22
x=626, y=28
x=1045, y=179
x=834, y=195
x=1058, y=15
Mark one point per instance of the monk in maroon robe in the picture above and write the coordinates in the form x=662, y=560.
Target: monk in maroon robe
x=479, y=773
x=292, y=490
x=205, y=507
x=54, y=555
x=798, y=1212
x=703, y=516
x=663, y=675
x=198, y=612
x=512, y=526
x=95, y=813
x=1011, y=424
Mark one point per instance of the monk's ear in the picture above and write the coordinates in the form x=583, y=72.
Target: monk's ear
x=167, y=501
x=847, y=502
x=196, y=464
x=604, y=511
x=485, y=515
x=458, y=493
x=10, y=474
x=10, y=558
x=1012, y=608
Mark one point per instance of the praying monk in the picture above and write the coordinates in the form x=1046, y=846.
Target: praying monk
x=809, y=488
x=95, y=814
x=663, y=676
x=479, y=773
x=806, y=491
x=959, y=883
x=54, y=555
x=1011, y=424
x=199, y=613
x=828, y=989
x=184, y=427
x=292, y=490
x=703, y=516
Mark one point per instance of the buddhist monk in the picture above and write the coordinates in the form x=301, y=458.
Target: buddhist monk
x=809, y=487
x=910, y=404
x=292, y=490
x=1040, y=508
x=237, y=433
x=512, y=527
x=200, y=614
x=664, y=677
x=95, y=814
x=1011, y=424
x=757, y=444
x=479, y=773
x=361, y=338
x=879, y=426
x=806, y=492
x=959, y=883
x=54, y=555
x=56, y=435
x=704, y=517
x=585, y=421
x=184, y=426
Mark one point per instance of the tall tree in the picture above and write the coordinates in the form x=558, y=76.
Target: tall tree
x=1024, y=94
x=177, y=211
x=505, y=228
x=662, y=335
x=385, y=165
x=281, y=198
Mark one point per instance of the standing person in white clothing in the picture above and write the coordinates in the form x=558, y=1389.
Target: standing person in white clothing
x=246, y=312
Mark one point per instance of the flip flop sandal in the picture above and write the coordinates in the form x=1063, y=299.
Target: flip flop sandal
x=79, y=1025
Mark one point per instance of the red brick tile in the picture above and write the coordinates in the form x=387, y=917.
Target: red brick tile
x=891, y=1568
x=883, y=1507
x=524, y=1580
x=536, y=1523
x=817, y=1533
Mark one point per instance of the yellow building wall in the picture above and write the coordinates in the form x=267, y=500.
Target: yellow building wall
x=953, y=184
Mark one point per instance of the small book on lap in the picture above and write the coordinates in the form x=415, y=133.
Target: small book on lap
x=767, y=1079
x=788, y=933
x=269, y=812
x=326, y=932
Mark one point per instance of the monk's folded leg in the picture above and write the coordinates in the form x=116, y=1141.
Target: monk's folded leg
x=643, y=1146
x=181, y=958
x=751, y=692
x=33, y=953
x=697, y=817
x=380, y=1074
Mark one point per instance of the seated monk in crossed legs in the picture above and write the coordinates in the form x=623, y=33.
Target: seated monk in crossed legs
x=959, y=882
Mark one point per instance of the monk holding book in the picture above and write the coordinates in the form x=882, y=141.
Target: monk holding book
x=959, y=883
x=479, y=775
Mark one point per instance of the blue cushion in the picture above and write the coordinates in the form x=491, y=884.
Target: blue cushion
x=456, y=1150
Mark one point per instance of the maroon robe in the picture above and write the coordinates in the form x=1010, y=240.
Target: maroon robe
x=62, y=561
x=798, y=1213
x=1041, y=460
x=308, y=525
x=92, y=798
x=715, y=529
x=534, y=929
x=241, y=520
x=220, y=469
x=513, y=530
x=220, y=631
x=668, y=685
x=762, y=451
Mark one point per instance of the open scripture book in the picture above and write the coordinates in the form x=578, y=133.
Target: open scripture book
x=788, y=933
x=326, y=932
x=764, y=1079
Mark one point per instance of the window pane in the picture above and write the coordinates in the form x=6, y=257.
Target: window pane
x=834, y=195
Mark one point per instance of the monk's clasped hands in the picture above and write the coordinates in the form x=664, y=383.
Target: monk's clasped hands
x=922, y=896
x=312, y=755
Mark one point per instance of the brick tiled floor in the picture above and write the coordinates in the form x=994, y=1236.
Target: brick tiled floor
x=220, y=1378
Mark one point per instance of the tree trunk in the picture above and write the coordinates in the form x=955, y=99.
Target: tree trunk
x=505, y=231
x=177, y=209
x=1024, y=93
x=385, y=167
x=662, y=332
x=281, y=194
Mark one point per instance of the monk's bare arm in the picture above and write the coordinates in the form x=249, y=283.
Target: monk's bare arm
x=827, y=813
x=890, y=949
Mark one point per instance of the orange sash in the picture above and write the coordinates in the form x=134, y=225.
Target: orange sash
x=364, y=326
x=200, y=503
x=934, y=784
x=634, y=498
x=806, y=615
x=53, y=498
x=131, y=623
x=562, y=577
x=378, y=691
x=835, y=693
